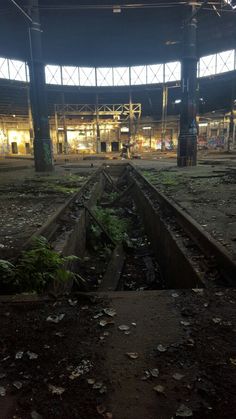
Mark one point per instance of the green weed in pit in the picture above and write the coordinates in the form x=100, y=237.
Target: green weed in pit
x=36, y=269
x=115, y=225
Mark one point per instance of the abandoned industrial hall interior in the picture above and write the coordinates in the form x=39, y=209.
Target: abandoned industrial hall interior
x=117, y=209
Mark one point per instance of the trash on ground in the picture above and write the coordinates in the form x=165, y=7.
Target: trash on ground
x=123, y=327
x=55, y=319
x=177, y=376
x=19, y=355
x=159, y=389
x=104, y=323
x=72, y=303
x=2, y=391
x=185, y=323
x=18, y=385
x=56, y=390
x=161, y=348
x=184, y=411
x=217, y=320
x=83, y=368
x=110, y=312
x=132, y=355
x=91, y=381
x=32, y=355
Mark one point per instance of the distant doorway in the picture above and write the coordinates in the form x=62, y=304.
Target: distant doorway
x=27, y=148
x=103, y=147
x=59, y=148
x=14, y=148
x=115, y=146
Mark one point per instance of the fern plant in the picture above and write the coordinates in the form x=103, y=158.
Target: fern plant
x=37, y=269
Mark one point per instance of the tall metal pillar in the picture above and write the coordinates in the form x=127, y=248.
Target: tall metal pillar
x=43, y=154
x=131, y=117
x=187, y=145
x=164, y=117
x=64, y=125
x=98, y=143
x=31, y=126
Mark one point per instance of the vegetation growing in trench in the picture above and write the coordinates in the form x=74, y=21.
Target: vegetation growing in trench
x=36, y=269
x=115, y=225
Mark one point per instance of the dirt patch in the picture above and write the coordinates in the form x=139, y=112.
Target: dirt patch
x=28, y=203
x=37, y=354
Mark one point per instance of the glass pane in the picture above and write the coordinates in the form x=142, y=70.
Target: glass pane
x=121, y=76
x=207, y=65
x=53, y=74
x=138, y=75
x=87, y=76
x=225, y=61
x=172, y=71
x=155, y=73
x=105, y=76
x=70, y=76
x=17, y=70
x=4, y=73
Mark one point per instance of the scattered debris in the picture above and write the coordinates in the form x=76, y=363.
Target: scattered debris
x=154, y=372
x=159, y=389
x=19, y=355
x=198, y=290
x=132, y=355
x=177, y=376
x=72, y=303
x=184, y=411
x=150, y=373
x=110, y=312
x=98, y=315
x=83, y=368
x=18, y=385
x=32, y=355
x=56, y=390
x=217, y=320
x=91, y=381
x=104, y=323
x=185, y=323
x=134, y=324
x=161, y=348
x=55, y=319
x=100, y=386
x=123, y=327
x=59, y=334
x=3, y=391
x=175, y=295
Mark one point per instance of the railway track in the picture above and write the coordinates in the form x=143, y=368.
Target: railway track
x=171, y=249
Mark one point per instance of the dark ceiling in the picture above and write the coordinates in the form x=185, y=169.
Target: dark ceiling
x=103, y=38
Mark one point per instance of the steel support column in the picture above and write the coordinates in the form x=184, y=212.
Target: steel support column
x=98, y=142
x=187, y=145
x=164, y=117
x=42, y=143
x=64, y=125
